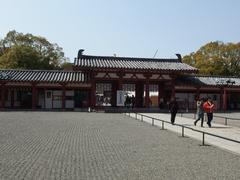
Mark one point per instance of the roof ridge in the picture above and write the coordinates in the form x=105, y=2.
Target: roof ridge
x=38, y=70
x=216, y=76
x=130, y=58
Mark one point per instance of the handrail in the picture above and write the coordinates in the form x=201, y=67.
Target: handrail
x=183, y=127
x=225, y=118
x=236, y=119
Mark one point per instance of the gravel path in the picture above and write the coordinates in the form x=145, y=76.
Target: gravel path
x=72, y=145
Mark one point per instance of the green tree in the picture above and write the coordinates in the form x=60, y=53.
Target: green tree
x=26, y=51
x=216, y=58
x=66, y=66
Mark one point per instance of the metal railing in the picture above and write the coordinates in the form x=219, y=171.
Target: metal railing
x=226, y=119
x=182, y=126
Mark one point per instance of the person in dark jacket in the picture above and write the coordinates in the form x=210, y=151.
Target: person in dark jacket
x=133, y=101
x=127, y=101
x=173, y=107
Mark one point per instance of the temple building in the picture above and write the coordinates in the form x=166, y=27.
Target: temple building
x=102, y=82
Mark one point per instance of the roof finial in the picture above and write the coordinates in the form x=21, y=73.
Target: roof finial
x=179, y=57
x=80, y=53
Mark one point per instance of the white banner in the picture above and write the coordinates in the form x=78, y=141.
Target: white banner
x=120, y=98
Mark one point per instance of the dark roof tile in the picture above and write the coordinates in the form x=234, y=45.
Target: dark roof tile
x=108, y=62
x=52, y=76
x=209, y=80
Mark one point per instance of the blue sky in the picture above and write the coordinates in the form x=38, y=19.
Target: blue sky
x=125, y=27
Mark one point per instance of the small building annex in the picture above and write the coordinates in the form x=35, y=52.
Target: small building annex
x=105, y=81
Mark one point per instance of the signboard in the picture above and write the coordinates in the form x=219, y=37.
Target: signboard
x=120, y=98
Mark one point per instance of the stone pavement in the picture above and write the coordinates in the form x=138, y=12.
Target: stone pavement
x=218, y=129
x=219, y=118
x=82, y=146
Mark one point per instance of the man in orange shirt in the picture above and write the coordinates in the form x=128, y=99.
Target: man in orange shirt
x=208, y=106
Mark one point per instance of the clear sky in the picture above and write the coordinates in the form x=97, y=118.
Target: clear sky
x=125, y=27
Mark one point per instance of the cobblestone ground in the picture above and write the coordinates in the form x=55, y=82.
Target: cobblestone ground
x=72, y=145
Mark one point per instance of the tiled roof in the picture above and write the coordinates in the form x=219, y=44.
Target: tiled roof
x=53, y=76
x=209, y=80
x=129, y=63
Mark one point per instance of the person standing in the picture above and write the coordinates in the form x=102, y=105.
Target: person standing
x=127, y=101
x=208, y=106
x=173, y=107
x=200, y=112
x=133, y=101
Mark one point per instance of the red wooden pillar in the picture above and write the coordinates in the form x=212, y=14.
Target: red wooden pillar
x=120, y=84
x=147, y=94
x=34, y=96
x=2, y=96
x=224, y=99
x=173, y=89
x=120, y=81
x=198, y=92
x=197, y=97
x=63, y=97
x=114, y=94
x=93, y=91
x=221, y=99
x=160, y=93
x=139, y=94
x=12, y=97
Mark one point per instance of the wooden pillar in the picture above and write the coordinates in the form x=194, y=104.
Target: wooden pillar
x=120, y=84
x=197, y=97
x=2, y=96
x=63, y=97
x=224, y=99
x=120, y=81
x=221, y=98
x=173, y=93
x=147, y=94
x=12, y=97
x=160, y=93
x=198, y=92
x=93, y=91
x=34, y=96
x=114, y=94
x=139, y=94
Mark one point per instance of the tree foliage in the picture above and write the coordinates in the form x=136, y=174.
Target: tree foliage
x=26, y=51
x=216, y=58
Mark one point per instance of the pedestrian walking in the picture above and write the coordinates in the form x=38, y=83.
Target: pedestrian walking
x=173, y=107
x=208, y=106
x=200, y=112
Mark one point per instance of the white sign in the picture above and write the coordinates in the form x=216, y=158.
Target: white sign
x=120, y=98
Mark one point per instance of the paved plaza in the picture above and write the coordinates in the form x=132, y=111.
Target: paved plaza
x=231, y=132
x=73, y=145
x=220, y=118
